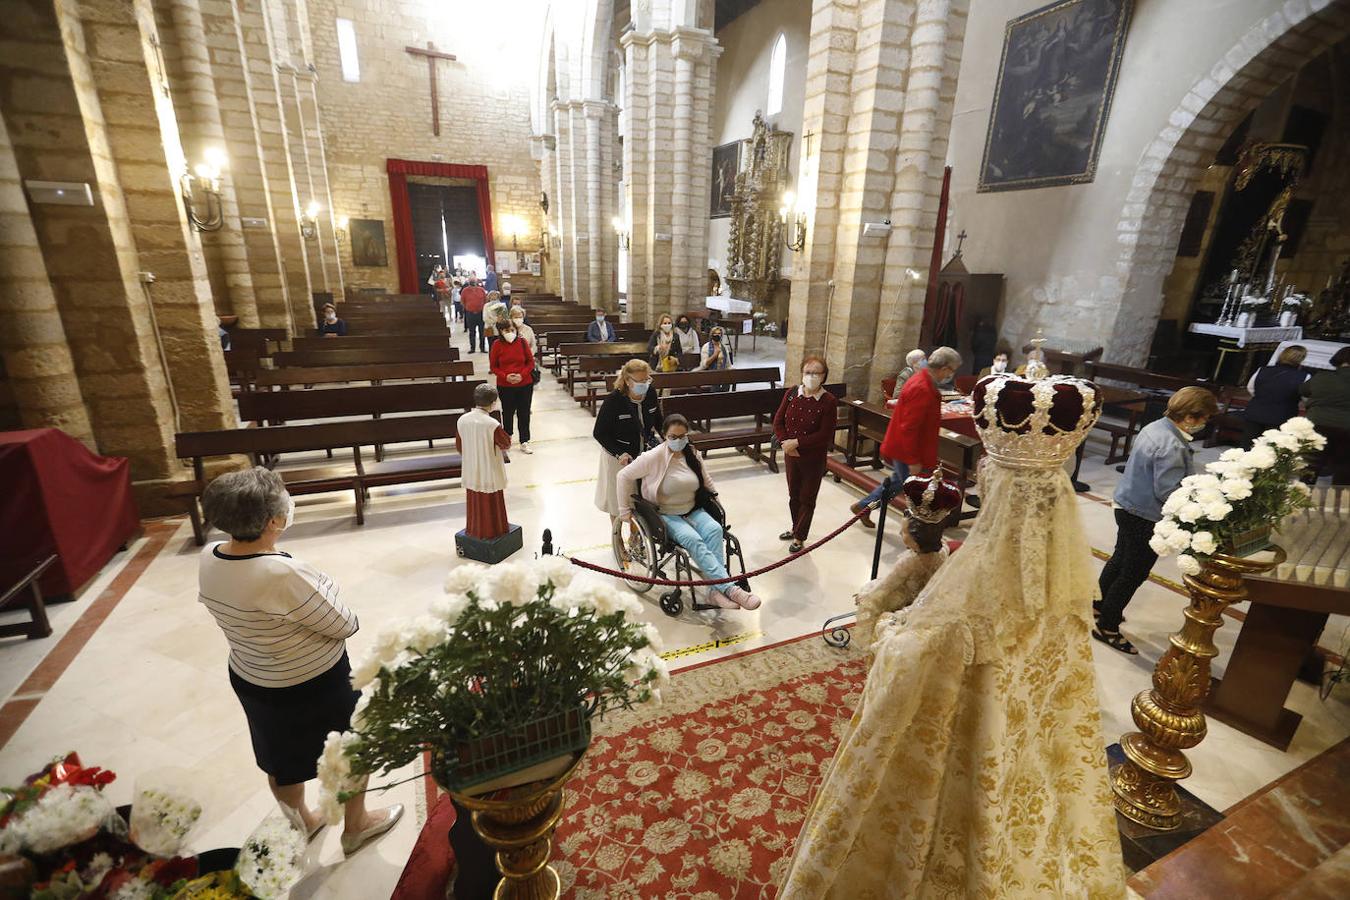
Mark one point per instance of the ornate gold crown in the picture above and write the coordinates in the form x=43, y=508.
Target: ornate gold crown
x=931, y=497
x=1034, y=424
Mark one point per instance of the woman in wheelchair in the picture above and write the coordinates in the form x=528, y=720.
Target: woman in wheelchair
x=673, y=480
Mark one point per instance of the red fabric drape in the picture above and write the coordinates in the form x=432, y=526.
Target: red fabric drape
x=399, y=170
x=929, y=325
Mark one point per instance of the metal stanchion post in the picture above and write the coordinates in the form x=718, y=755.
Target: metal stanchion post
x=886, y=488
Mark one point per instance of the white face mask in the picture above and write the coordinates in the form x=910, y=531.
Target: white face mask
x=999, y=365
x=639, y=388
x=811, y=381
x=599, y=318
x=665, y=326
x=331, y=317
x=677, y=444
x=518, y=320
x=509, y=336
x=290, y=512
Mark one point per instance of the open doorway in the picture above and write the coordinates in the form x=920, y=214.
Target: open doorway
x=441, y=211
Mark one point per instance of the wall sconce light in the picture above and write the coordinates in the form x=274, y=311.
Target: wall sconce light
x=342, y=223
x=309, y=221
x=200, y=187
x=512, y=225
x=625, y=240
x=797, y=242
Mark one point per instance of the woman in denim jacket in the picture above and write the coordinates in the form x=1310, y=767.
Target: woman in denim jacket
x=1159, y=458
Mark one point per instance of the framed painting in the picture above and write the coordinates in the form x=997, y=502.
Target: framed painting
x=368, y=246
x=726, y=163
x=1053, y=96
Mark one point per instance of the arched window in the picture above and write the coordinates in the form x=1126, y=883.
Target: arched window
x=777, y=68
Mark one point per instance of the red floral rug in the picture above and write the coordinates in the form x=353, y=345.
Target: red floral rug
x=702, y=797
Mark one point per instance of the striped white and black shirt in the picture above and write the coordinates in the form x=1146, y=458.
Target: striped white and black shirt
x=281, y=616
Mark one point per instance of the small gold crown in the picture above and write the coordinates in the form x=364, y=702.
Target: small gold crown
x=1034, y=424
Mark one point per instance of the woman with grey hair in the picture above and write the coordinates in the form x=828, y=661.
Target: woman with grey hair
x=288, y=658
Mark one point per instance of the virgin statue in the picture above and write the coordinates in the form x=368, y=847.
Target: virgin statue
x=974, y=764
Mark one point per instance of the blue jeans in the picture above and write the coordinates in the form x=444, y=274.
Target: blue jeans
x=700, y=534
x=899, y=472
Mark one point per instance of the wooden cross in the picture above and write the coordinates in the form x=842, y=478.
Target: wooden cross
x=432, y=54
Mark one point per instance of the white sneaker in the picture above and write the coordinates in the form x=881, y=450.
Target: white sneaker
x=525, y=448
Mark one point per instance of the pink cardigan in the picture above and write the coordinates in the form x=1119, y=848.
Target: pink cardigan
x=650, y=468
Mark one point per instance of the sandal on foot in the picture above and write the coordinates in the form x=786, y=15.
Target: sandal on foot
x=795, y=547
x=1115, y=640
x=786, y=536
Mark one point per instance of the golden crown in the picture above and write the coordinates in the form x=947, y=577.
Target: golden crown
x=1034, y=424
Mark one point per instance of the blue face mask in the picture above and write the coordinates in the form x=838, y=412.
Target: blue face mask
x=924, y=364
x=677, y=444
x=639, y=388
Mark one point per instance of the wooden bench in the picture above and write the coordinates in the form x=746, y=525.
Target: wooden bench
x=340, y=356
x=1150, y=386
x=371, y=342
x=267, y=379
x=550, y=339
x=259, y=341
x=760, y=405
x=358, y=477
x=570, y=354
x=27, y=594
x=695, y=381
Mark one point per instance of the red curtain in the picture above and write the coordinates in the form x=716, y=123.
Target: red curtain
x=399, y=170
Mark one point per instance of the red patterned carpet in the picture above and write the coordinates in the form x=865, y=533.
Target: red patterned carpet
x=702, y=798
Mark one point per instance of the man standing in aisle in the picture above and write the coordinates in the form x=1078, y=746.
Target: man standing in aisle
x=474, y=298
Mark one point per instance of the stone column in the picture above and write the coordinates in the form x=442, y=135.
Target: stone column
x=598, y=225
x=577, y=239
x=38, y=364
x=564, y=201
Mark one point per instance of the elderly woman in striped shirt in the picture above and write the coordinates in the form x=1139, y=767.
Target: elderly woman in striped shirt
x=288, y=658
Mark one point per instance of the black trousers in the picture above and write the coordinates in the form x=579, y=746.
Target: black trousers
x=516, y=407
x=474, y=322
x=1127, y=569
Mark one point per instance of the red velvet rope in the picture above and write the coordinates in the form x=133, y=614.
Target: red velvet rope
x=709, y=582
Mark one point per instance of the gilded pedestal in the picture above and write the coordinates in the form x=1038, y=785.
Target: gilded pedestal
x=1168, y=716
x=518, y=823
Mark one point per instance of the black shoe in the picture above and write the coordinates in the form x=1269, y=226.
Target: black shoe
x=787, y=536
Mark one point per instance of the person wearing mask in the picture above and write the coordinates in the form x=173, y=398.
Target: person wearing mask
x=287, y=632
x=804, y=427
x=455, y=302
x=671, y=477
x=518, y=319
x=663, y=347
x=600, y=331
x=331, y=326
x=494, y=313
x=511, y=361
x=1274, y=391
x=687, y=334
x=1034, y=368
x=490, y=281
x=625, y=427
x=518, y=303
x=998, y=366
x=474, y=299
x=1327, y=400
x=1160, y=457
x=911, y=440
x=915, y=360
x=716, y=356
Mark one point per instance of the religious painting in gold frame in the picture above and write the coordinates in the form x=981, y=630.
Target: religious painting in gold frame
x=726, y=164
x=368, y=244
x=1055, y=83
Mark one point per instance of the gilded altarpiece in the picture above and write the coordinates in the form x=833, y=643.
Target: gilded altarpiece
x=756, y=242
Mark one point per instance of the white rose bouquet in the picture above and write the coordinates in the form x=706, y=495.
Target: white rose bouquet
x=507, y=646
x=1242, y=491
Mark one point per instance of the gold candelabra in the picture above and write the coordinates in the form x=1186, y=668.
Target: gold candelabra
x=1168, y=716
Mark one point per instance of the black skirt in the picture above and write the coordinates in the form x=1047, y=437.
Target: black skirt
x=289, y=725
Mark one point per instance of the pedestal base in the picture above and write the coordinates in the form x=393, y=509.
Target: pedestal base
x=491, y=550
x=1140, y=845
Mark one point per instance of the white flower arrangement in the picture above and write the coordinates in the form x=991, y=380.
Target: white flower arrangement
x=272, y=859
x=161, y=819
x=64, y=815
x=506, y=645
x=1240, y=491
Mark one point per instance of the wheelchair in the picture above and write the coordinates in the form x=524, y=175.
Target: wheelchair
x=651, y=552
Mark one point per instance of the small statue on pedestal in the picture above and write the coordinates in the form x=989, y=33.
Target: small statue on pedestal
x=487, y=535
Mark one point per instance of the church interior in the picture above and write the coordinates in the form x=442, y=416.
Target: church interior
x=843, y=368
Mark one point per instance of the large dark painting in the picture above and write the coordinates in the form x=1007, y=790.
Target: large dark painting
x=368, y=246
x=1054, y=94
x=726, y=164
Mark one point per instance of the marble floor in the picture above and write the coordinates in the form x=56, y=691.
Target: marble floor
x=147, y=689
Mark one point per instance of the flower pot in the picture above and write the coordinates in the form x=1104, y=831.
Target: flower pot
x=1251, y=541
x=520, y=751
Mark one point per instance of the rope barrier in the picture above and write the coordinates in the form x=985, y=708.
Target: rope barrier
x=710, y=582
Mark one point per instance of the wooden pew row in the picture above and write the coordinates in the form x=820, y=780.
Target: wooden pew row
x=358, y=477
x=687, y=381
x=569, y=354
x=340, y=356
x=758, y=405
x=370, y=342
x=267, y=379
x=260, y=341
x=594, y=371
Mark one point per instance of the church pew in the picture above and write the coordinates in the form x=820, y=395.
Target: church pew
x=267, y=379
x=371, y=342
x=359, y=477
x=279, y=407
x=260, y=341
x=339, y=356
x=695, y=381
x=568, y=354
x=558, y=341
x=758, y=405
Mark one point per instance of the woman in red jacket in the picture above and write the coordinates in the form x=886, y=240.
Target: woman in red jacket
x=512, y=362
x=804, y=426
x=911, y=440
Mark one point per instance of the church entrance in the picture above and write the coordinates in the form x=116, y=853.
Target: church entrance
x=441, y=211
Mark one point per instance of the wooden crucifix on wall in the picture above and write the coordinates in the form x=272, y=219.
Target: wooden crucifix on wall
x=432, y=55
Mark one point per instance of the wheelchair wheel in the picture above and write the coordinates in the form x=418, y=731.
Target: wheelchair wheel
x=671, y=604
x=639, y=557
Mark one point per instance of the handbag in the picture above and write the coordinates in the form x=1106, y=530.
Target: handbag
x=536, y=375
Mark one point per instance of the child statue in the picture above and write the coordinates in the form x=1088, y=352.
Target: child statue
x=487, y=536
x=931, y=501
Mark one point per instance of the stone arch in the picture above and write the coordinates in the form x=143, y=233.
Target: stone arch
x=597, y=40
x=1149, y=226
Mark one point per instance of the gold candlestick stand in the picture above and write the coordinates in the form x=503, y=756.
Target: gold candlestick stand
x=1168, y=716
x=519, y=826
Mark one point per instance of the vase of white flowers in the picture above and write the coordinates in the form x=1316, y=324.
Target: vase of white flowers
x=498, y=683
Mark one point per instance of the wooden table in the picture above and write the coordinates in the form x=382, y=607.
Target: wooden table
x=1289, y=608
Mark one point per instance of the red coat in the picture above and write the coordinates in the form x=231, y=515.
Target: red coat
x=912, y=436
x=505, y=358
x=473, y=297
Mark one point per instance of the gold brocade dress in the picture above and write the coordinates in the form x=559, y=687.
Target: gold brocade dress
x=974, y=765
